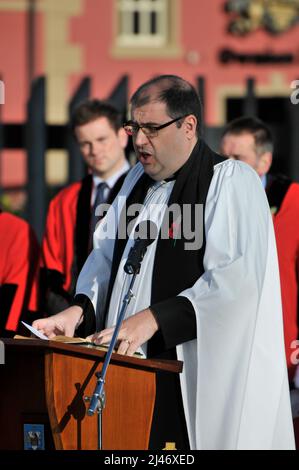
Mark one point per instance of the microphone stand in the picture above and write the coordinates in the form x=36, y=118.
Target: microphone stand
x=131, y=267
x=97, y=402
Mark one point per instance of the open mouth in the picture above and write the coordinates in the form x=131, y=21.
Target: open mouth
x=145, y=158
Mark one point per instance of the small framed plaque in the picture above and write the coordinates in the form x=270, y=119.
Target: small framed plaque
x=34, y=437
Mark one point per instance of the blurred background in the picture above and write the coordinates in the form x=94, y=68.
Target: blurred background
x=241, y=55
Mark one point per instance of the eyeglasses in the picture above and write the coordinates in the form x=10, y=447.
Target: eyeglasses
x=132, y=127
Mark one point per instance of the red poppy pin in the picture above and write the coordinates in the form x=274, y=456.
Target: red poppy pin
x=173, y=231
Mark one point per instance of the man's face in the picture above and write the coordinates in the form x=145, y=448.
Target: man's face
x=242, y=147
x=163, y=154
x=102, y=148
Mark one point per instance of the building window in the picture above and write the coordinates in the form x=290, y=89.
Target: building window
x=146, y=26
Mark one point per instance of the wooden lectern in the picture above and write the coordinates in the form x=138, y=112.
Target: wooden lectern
x=45, y=382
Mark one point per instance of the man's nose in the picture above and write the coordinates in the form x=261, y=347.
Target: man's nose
x=140, y=137
x=94, y=148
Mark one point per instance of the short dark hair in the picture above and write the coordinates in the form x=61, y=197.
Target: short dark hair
x=179, y=96
x=90, y=110
x=262, y=135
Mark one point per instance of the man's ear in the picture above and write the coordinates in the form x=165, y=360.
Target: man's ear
x=190, y=124
x=123, y=137
x=264, y=163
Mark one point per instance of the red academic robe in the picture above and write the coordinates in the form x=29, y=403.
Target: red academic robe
x=62, y=246
x=283, y=197
x=18, y=273
x=286, y=225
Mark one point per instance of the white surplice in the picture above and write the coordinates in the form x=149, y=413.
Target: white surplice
x=234, y=381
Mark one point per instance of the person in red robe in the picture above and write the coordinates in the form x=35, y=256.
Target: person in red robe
x=97, y=127
x=18, y=274
x=249, y=140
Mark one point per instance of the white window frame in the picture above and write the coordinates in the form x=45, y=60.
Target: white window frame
x=144, y=43
x=144, y=8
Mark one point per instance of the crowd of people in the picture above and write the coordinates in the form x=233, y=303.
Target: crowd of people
x=225, y=302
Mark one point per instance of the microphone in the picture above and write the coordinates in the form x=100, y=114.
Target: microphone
x=145, y=233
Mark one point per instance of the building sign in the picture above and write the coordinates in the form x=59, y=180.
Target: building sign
x=274, y=16
x=230, y=56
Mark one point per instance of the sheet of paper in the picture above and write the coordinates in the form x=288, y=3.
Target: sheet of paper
x=35, y=331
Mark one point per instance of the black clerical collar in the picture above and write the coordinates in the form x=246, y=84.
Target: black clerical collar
x=174, y=176
x=171, y=178
x=164, y=180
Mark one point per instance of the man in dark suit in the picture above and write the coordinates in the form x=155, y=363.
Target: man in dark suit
x=71, y=221
x=249, y=140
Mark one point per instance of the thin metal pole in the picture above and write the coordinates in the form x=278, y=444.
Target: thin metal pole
x=30, y=41
x=250, y=102
x=76, y=163
x=36, y=148
x=119, y=95
x=100, y=428
x=97, y=400
x=201, y=92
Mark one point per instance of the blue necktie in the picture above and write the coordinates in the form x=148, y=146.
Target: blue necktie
x=100, y=198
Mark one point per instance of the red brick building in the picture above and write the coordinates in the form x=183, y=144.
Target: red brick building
x=106, y=39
